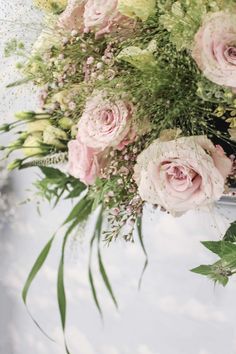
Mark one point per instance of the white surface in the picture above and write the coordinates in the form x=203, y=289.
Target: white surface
x=176, y=312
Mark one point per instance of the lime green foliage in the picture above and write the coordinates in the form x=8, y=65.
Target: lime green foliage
x=224, y=268
x=142, y=59
x=184, y=17
x=13, y=47
x=137, y=8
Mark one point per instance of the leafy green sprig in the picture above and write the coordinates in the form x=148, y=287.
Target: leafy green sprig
x=225, y=267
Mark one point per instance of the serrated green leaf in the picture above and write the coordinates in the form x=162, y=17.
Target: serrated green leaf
x=216, y=272
x=230, y=234
x=202, y=269
x=221, y=248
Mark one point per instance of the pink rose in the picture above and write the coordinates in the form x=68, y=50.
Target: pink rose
x=72, y=17
x=106, y=123
x=182, y=174
x=99, y=15
x=215, y=48
x=83, y=162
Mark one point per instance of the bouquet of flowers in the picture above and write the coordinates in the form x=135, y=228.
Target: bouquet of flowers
x=137, y=105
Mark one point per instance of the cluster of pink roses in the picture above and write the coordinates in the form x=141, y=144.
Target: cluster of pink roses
x=215, y=48
x=99, y=16
x=105, y=124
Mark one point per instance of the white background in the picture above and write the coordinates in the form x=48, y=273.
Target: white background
x=176, y=312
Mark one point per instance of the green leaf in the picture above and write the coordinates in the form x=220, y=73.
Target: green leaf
x=83, y=213
x=52, y=173
x=221, y=248
x=230, y=234
x=18, y=82
x=140, y=236
x=102, y=268
x=76, y=191
x=34, y=271
x=84, y=206
x=203, y=270
x=94, y=292
x=216, y=272
x=91, y=281
x=105, y=278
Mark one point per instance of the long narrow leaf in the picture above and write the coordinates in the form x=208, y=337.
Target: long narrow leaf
x=102, y=268
x=140, y=236
x=90, y=274
x=83, y=212
x=34, y=271
x=105, y=278
x=78, y=208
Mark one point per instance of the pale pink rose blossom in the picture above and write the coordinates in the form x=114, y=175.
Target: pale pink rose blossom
x=83, y=162
x=106, y=123
x=99, y=15
x=182, y=174
x=72, y=18
x=215, y=48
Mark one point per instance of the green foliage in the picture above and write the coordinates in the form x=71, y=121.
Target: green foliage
x=183, y=18
x=13, y=47
x=231, y=233
x=140, y=236
x=225, y=267
x=55, y=184
x=97, y=237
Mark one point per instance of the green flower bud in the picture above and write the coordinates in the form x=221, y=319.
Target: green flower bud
x=66, y=123
x=74, y=131
x=5, y=128
x=25, y=115
x=15, y=164
x=32, y=145
x=38, y=125
x=53, y=136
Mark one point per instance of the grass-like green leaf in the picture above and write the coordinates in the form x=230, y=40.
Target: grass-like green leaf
x=105, y=278
x=33, y=273
x=83, y=213
x=91, y=281
x=140, y=236
x=79, y=209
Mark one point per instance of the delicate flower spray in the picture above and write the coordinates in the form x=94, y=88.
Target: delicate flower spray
x=137, y=105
